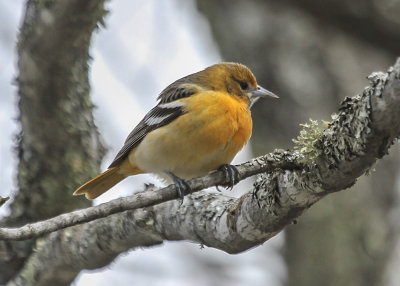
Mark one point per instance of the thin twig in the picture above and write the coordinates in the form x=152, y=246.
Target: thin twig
x=3, y=200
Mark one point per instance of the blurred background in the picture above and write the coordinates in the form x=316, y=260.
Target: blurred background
x=312, y=54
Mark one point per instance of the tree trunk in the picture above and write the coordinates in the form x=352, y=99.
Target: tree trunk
x=59, y=146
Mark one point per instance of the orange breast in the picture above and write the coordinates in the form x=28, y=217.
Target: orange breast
x=213, y=129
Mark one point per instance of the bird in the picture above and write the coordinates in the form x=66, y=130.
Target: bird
x=199, y=124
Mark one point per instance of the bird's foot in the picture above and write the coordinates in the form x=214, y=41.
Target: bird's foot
x=182, y=186
x=232, y=175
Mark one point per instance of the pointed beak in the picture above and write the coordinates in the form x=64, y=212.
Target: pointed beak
x=262, y=92
x=258, y=93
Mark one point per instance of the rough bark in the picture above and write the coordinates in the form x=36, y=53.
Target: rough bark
x=362, y=131
x=58, y=144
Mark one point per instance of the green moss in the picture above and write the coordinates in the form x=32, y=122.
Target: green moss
x=307, y=143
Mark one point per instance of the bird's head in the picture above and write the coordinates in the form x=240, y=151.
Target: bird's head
x=236, y=79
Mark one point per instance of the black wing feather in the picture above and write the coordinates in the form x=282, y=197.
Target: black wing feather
x=144, y=128
x=181, y=88
x=173, y=93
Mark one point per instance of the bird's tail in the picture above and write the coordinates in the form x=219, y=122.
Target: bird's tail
x=105, y=181
x=100, y=184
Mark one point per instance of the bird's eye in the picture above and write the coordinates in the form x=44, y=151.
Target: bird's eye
x=243, y=85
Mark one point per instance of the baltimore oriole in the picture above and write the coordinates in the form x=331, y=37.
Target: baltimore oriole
x=199, y=124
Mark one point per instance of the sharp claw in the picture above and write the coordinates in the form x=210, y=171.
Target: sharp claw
x=231, y=174
x=182, y=186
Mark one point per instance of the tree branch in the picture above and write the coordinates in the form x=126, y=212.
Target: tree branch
x=266, y=163
x=342, y=157
x=362, y=131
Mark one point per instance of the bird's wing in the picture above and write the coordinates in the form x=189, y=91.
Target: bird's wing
x=165, y=112
x=181, y=88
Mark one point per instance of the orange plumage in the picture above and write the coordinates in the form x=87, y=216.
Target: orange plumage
x=199, y=124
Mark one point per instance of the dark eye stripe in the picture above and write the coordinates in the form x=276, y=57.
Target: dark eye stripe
x=243, y=84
